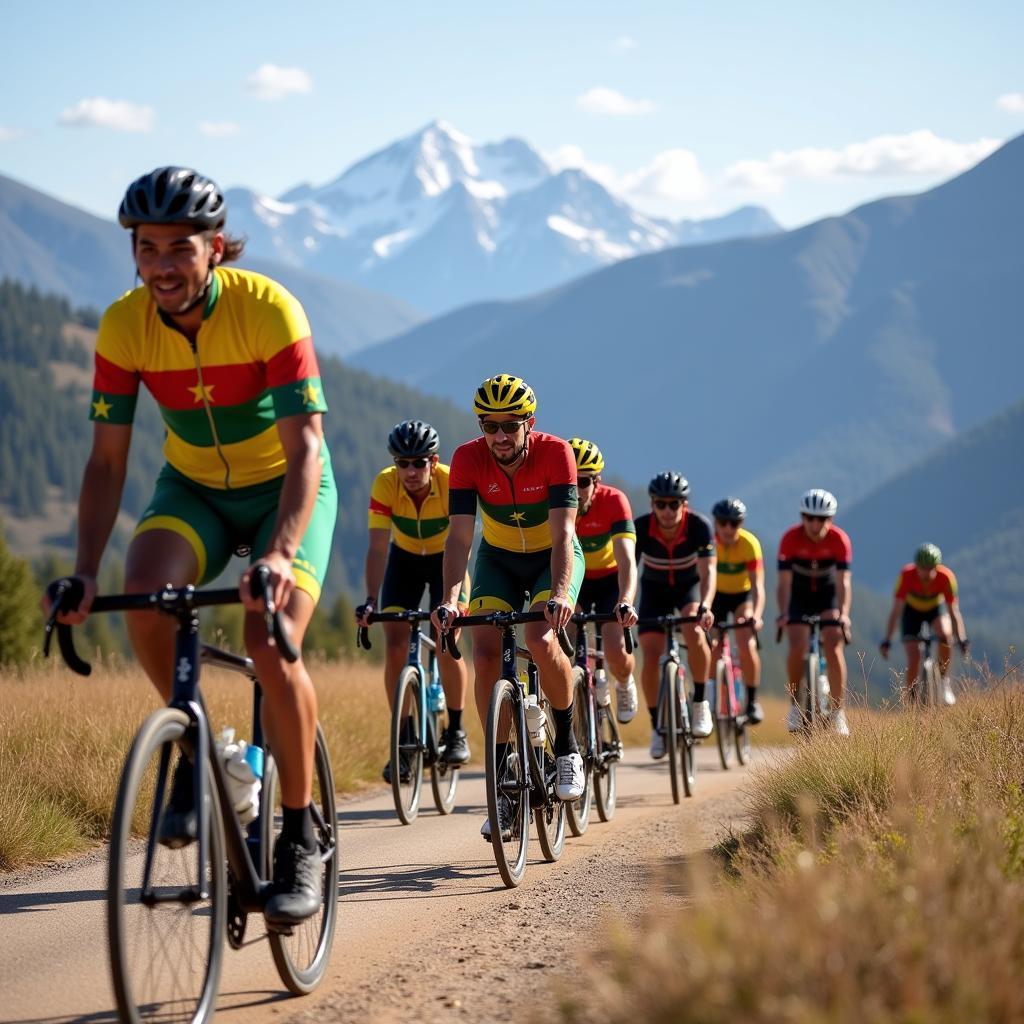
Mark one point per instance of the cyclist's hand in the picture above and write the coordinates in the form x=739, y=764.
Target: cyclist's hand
x=884, y=647
x=282, y=583
x=844, y=620
x=558, y=611
x=965, y=646
x=758, y=623
x=705, y=619
x=79, y=615
x=626, y=614
x=782, y=621
x=364, y=611
x=451, y=614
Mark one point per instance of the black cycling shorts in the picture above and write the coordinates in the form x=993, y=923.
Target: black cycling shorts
x=913, y=620
x=407, y=576
x=599, y=593
x=725, y=604
x=666, y=598
x=813, y=602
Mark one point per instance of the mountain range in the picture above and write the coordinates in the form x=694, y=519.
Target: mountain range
x=440, y=221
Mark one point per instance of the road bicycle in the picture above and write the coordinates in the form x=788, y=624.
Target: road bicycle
x=417, y=730
x=814, y=695
x=520, y=765
x=168, y=910
x=597, y=732
x=674, y=716
x=731, y=726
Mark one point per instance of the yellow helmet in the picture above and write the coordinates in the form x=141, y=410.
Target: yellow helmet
x=505, y=393
x=588, y=456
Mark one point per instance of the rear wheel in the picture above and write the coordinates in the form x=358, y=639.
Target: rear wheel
x=609, y=750
x=444, y=778
x=725, y=724
x=549, y=816
x=507, y=782
x=577, y=812
x=668, y=722
x=406, y=747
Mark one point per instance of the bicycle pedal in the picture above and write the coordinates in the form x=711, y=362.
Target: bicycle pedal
x=281, y=929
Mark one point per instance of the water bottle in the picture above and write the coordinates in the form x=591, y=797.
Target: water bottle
x=242, y=778
x=435, y=696
x=535, y=720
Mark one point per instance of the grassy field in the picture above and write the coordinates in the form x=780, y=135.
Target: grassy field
x=882, y=881
x=63, y=740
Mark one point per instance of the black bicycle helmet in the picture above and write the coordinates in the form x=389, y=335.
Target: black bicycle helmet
x=173, y=195
x=730, y=510
x=669, y=485
x=411, y=438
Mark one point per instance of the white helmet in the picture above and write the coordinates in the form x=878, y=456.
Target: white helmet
x=817, y=502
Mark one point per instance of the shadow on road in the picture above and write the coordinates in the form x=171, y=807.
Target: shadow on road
x=30, y=902
x=415, y=881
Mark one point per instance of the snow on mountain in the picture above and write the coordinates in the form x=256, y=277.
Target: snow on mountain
x=440, y=221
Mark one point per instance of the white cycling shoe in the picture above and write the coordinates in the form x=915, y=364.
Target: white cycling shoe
x=657, y=745
x=702, y=723
x=948, y=697
x=571, y=779
x=601, y=690
x=795, y=719
x=839, y=724
x=625, y=701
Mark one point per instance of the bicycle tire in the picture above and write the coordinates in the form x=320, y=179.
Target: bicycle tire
x=577, y=812
x=725, y=724
x=667, y=721
x=407, y=794
x=508, y=779
x=444, y=778
x=549, y=816
x=140, y=986
x=930, y=678
x=742, y=734
x=810, y=695
x=609, y=748
x=301, y=958
x=687, y=750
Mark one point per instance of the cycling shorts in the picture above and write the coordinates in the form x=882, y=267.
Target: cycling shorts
x=812, y=603
x=216, y=522
x=724, y=604
x=599, y=593
x=407, y=576
x=503, y=580
x=913, y=620
x=666, y=598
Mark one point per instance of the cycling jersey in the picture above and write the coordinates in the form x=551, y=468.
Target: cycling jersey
x=926, y=595
x=673, y=561
x=251, y=364
x=814, y=564
x=608, y=518
x=420, y=531
x=737, y=562
x=514, y=511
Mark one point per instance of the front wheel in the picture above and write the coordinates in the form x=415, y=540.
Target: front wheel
x=609, y=750
x=811, y=707
x=407, y=745
x=166, y=942
x=930, y=683
x=725, y=724
x=577, y=812
x=507, y=782
x=668, y=721
x=687, y=751
x=301, y=957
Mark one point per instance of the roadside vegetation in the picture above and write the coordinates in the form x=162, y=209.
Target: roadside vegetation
x=881, y=880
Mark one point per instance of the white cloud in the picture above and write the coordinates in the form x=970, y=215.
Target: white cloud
x=625, y=43
x=120, y=115
x=673, y=176
x=601, y=100
x=271, y=82
x=915, y=153
x=1012, y=102
x=573, y=156
x=9, y=134
x=218, y=129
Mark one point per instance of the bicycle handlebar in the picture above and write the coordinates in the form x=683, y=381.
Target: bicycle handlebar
x=498, y=619
x=409, y=615
x=66, y=594
x=601, y=617
x=740, y=624
x=812, y=620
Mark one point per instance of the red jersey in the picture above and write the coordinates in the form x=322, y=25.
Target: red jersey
x=814, y=563
x=925, y=595
x=608, y=517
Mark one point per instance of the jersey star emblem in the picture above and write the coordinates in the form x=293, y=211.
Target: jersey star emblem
x=310, y=394
x=101, y=408
x=203, y=391
x=517, y=517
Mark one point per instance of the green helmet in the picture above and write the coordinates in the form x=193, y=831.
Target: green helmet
x=928, y=556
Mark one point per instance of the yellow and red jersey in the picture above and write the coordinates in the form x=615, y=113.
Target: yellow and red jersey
x=926, y=595
x=737, y=562
x=419, y=530
x=608, y=518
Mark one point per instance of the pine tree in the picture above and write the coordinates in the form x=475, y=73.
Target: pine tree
x=20, y=618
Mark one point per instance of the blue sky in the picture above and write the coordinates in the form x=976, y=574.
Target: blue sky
x=687, y=109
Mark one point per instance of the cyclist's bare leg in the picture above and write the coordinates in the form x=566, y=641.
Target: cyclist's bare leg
x=289, y=700
x=835, y=662
x=698, y=654
x=396, y=644
x=555, y=668
x=913, y=649
x=942, y=627
x=652, y=644
x=486, y=668
x=156, y=558
x=799, y=640
x=454, y=678
x=619, y=663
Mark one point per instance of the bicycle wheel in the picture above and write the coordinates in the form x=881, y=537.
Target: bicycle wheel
x=742, y=733
x=444, y=778
x=507, y=782
x=406, y=746
x=810, y=695
x=609, y=750
x=549, y=816
x=301, y=957
x=165, y=952
x=930, y=679
x=687, y=750
x=668, y=723
x=724, y=722
x=577, y=812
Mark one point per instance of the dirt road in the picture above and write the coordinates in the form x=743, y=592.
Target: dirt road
x=426, y=930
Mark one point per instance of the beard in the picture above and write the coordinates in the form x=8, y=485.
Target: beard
x=508, y=460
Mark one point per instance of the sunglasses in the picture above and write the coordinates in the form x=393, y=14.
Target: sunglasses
x=585, y=482
x=723, y=523
x=672, y=503
x=507, y=427
x=418, y=463
x=815, y=519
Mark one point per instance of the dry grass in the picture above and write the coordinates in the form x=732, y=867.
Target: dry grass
x=884, y=882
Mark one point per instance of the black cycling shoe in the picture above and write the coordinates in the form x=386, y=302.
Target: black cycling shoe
x=456, y=746
x=298, y=884
x=405, y=774
x=755, y=713
x=506, y=814
x=180, y=824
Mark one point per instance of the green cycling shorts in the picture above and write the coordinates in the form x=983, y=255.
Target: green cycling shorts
x=503, y=580
x=217, y=522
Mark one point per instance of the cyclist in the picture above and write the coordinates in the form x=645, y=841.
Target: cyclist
x=409, y=509
x=605, y=529
x=678, y=553
x=926, y=591
x=739, y=590
x=525, y=484
x=228, y=356
x=815, y=579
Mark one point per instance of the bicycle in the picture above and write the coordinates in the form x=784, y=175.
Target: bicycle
x=195, y=900
x=525, y=775
x=674, y=719
x=814, y=694
x=730, y=721
x=597, y=732
x=418, y=744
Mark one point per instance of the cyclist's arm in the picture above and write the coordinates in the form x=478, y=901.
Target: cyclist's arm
x=456, y=556
x=376, y=561
x=844, y=591
x=100, y=497
x=302, y=438
x=707, y=570
x=783, y=590
x=959, y=629
x=894, y=617
x=624, y=549
x=562, y=523
x=757, y=591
